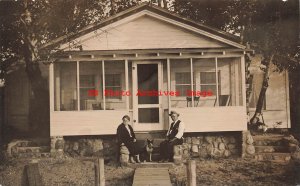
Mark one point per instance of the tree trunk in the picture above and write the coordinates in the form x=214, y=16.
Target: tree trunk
x=39, y=116
x=294, y=77
x=249, y=79
x=2, y=109
x=263, y=90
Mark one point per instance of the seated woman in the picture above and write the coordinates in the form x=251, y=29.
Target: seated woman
x=126, y=137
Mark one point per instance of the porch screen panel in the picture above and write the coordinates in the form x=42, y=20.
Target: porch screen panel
x=231, y=82
x=90, y=85
x=148, y=115
x=65, y=86
x=147, y=81
x=115, y=95
x=180, y=74
x=204, y=74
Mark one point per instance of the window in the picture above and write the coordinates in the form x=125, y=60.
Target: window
x=182, y=82
x=180, y=77
x=214, y=80
x=113, y=83
x=65, y=86
x=84, y=80
x=208, y=82
x=90, y=85
x=87, y=83
x=231, y=85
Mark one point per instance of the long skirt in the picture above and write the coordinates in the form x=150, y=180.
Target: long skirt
x=133, y=148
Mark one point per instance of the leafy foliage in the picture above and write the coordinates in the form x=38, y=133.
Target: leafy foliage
x=30, y=24
x=270, y=26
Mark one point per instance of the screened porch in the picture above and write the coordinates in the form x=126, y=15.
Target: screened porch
x=89, y=96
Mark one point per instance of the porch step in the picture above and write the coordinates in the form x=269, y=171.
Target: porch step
x=28, y=148
x=34, y=155
x=32, y=152
x=40, y=149
x=268, y=136
x=278, y=157
x=270, y=149
x=268, y=140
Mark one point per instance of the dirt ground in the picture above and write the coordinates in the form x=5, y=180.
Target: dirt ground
x=238, y=172
x=70, y=171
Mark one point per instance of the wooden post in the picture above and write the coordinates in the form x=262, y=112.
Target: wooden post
x=33, y=175
x=191, y=173
x=99, y=172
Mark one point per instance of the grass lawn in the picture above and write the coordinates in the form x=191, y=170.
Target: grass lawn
x=71, y=171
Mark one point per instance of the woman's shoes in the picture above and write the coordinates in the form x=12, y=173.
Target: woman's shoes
x=138, y=159
x=132, y=160
x=135, y=161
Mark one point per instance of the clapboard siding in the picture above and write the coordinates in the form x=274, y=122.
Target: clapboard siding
x=207, y=119
x=276, y=92
x=106, y=122
x=17, y=95
x=68, y=123
x=277, y=96
x=145, y=33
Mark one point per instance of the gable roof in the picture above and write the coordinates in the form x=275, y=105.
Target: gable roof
x=145, y=7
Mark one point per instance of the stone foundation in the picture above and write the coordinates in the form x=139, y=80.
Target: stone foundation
x=56, y=146
x=196, y=145
x=124, y=155
x=75, y=146
x=208, y=145
x=293, y=145
x=27, y=149
x=248, y=149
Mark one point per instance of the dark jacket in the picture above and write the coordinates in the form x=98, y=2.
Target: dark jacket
x=174, y=129
x=123, y=134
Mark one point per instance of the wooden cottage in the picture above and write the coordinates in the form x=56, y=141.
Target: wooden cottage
x=145, y=62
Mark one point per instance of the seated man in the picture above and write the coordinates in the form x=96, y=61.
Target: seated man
x=173, y=137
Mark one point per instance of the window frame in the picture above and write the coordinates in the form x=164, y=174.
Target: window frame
x=87, y=87
x=173, y=84
x=114, y=99
x=185, y=84
x=198, y=82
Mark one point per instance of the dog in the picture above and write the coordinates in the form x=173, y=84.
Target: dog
x=146, y=154
x=256, y=126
